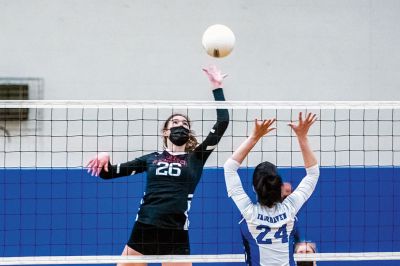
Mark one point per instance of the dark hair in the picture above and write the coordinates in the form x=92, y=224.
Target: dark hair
x=267, y=183
x=192, y=142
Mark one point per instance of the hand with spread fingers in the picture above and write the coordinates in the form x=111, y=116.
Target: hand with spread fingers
x=215, y=76
x=301, y=129
x=99, y=162
x=262, y=127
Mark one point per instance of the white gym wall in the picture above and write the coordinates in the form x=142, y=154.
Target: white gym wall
x=140, y=50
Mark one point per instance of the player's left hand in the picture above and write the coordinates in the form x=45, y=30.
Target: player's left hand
x=215, y=76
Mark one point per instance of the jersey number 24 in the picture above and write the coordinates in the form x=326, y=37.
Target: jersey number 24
x=280, y=233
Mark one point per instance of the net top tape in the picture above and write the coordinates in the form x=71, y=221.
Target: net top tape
x=309, y=105
x=43, y=260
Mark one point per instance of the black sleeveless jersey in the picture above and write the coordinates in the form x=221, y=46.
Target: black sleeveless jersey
x=172, y=179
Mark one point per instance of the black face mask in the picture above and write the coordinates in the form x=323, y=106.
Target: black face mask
x=179, y=135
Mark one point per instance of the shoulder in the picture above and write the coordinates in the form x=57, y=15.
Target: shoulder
x=288, y=205
x=249, y=212
x=149, y=156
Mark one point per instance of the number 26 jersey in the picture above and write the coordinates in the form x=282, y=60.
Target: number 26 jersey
x=172, y=177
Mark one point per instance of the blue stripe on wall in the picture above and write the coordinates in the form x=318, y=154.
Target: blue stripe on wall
x=68, y=212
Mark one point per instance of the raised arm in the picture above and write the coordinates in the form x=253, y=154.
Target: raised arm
x=232, y=179
x=204, y=150
x=301, y=130
x=309, y=182
x=261, y=128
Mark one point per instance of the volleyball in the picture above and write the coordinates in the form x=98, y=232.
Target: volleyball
x=218, y=40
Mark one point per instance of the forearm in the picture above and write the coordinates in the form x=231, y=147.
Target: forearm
x=244, y=149
x=308, y=154
x=222, y=114
x=113, y=172
x=123, y=169
x=220, y=125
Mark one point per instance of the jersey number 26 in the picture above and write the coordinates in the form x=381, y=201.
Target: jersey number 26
x=172, y=169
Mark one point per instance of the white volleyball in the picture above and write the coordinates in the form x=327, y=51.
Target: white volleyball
x=218, y=40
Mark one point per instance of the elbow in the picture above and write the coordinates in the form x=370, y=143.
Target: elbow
x=228, y=167
x=223, y=116
x=316, y=172
x=231, y=167
x=313, y=171
x=223, y=125
x=227, y=171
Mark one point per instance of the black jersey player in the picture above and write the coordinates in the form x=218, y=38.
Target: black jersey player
x=161, y=227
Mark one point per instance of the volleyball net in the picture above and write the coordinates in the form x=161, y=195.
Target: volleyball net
x=53, y=212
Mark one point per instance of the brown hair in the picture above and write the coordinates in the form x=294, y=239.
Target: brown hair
x=192, y=142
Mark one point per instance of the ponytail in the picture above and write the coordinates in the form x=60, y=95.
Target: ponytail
x=267, y=183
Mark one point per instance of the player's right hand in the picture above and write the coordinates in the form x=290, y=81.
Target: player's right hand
x=215, y=76
x=262, y=127
x=99, y=162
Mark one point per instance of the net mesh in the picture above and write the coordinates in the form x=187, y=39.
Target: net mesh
x=50, y=206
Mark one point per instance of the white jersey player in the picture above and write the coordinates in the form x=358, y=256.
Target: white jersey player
x=268, y=226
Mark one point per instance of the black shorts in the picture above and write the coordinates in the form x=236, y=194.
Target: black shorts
x=152, y=240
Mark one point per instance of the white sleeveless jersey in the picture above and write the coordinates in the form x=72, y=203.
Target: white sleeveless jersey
x=268, y=232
